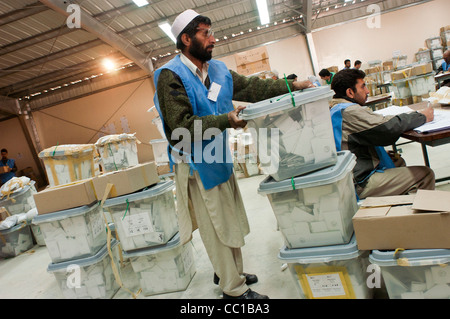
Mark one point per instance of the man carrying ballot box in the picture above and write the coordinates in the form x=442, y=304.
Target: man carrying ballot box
x=365, y=133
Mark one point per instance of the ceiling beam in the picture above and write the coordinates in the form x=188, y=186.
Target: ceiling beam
x=103, y=32
x=22, y=13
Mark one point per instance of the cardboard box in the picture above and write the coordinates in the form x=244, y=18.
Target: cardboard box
x=423, y=68
x=126, y=181
x=254, y=67
x=163, y=169
x=418, y=221
x=251, y=56
x=405, y=101
x=3, y=214
x=57, y=198
x=388, y=65
x=446, y=28
x=401, y=74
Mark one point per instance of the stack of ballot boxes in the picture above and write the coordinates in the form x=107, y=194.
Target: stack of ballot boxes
x=310, y=188
x=17, y=199
x=410, y=85
x=117, y=151
x=147, y=226
x=73, y=223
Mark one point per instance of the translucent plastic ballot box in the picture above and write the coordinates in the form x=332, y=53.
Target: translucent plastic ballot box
x=15, y=240
x=68, y=163
x=329, y=272
x=20, y=200
x=91, y=277
x=293, y=132
x=145, y=218
x=73, y=233
x=117, y=151
x=163, y=269
x=315, y=209
x=414, y=273
x=159, y=147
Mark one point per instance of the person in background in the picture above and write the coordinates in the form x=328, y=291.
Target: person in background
x=8, y=167
x=445, y=67
x=357, y=64
x=327, y=76
x=365, y=133
x=347, y=64
x=292, y=77
x=194, y=96
x=275, y=75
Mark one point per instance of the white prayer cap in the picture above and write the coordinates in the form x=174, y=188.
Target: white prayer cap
x=182, y=21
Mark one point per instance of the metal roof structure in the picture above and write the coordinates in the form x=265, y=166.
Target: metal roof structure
x=52, y=50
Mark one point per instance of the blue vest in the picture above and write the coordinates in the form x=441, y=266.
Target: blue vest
x=4, y=177
x=336, y=120
x=219, y=170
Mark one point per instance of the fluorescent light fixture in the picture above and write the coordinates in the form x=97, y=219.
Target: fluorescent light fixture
x=263, y=11
x=167, y=30
x=140, y=3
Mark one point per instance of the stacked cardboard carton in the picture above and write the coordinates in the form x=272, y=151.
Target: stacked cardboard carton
x=409, y=239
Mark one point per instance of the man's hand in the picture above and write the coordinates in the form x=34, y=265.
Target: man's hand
x=234, y=120
x=300, y=85
x=428, y=112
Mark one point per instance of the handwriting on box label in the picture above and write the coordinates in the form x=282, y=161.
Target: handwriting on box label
x=327, y=285
x=138, y=224
x=97, y=225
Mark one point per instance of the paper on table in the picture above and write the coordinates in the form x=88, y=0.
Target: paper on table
x=441, y=121
x=394, y=110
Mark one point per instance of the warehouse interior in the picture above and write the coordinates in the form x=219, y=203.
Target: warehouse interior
x=72, y=72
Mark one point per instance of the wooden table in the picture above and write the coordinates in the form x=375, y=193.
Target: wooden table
x=374, y=100
x=428, y=139
x=441, y=78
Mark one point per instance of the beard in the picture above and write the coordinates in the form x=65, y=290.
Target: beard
x=200, y=53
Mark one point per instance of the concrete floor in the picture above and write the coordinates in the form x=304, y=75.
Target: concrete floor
x=25, y=276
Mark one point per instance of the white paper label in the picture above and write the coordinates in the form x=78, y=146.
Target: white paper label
x=214, y=91
x=137, y=224
x=326, y=285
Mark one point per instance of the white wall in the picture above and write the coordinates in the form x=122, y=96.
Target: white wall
x=405, y=30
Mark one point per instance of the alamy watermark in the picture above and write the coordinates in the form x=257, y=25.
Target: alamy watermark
x=374, y=20
x=73, y=21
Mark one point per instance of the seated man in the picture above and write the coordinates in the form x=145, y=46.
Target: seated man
x=365, y=134
x=445, y=67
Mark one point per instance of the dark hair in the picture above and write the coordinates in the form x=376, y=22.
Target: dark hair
x=191, y=29
x=346, y=60
x=291, y=76
x=344, y=80
x=4, y=150
x=357, y=62
x=324, y=72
